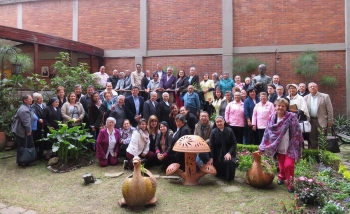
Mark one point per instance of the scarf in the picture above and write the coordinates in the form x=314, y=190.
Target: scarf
x=144, y=135
x=275, y=131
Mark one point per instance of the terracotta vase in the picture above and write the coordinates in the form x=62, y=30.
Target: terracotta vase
x=2, y=141
x=256, y=176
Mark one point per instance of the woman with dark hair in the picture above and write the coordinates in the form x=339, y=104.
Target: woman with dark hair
x=139, y=145
x=52, y=114
x=207, y=87
x=61, y=96
x=174, y=110
x=72, y=110
x=223, y=150
x=180, y=87
x=163, y=144
x=163, y=108
x=224, y=103
x=182, y=130
x=283, y=137
x=152, y=127
x=191, y=119
x=226, y=83
x=215, y=104
x=38, y=107
x=251, y=136
x=107, y=147
x=94, y=113
x=22, y=126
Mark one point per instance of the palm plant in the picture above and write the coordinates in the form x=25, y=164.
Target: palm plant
x=306, y=64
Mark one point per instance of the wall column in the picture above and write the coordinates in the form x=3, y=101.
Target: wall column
x=143, y=32
x=347, y=55
x=19, y=16
x=227, y=36
x=75, y=20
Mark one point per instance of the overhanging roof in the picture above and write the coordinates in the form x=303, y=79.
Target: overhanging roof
x=26, y=36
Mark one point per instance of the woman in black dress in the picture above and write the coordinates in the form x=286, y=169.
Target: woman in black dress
x=94, y=113
x=38, y=107
x=52, y=114
x=223, y=150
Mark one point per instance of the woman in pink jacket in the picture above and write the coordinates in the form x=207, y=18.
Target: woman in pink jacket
x=261, y=115
x=107, y=147
x=234, y=116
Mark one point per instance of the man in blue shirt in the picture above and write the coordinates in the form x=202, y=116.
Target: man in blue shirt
x=191, y=101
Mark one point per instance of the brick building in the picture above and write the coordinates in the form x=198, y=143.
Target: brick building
x=201, y=33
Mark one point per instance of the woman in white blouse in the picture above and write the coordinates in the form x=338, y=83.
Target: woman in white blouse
x=139, y=145
x=107, y=147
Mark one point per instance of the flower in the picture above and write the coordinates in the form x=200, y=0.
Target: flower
x=302, y=178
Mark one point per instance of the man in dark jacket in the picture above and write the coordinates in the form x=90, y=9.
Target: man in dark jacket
x=114, y=78
x=190, y=118
x=134, y=106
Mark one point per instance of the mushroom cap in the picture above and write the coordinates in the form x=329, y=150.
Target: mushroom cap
x=172, y=168
x=191, y=143
x=208, y=169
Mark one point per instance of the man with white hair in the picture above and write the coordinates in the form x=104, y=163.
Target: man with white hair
x=150, y=106
x=191, y=101
x=159, y=71
x=114, y=78
x=167, y=83
x=102, y=77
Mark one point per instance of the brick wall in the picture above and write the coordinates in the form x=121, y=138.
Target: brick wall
x=189, y=24
x=265, y=22
x=121, y=64
x=49, y=17
x=8, y=15
x=110, y=24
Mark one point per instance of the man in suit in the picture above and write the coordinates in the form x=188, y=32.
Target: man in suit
x=150, y=106
x=134, y=106
x=144, y=83
x=320, y=110
x=167, y=83
x=272, y=96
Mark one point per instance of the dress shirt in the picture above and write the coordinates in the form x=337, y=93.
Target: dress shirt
x=153, y=85
x=137, y=104
x=234, y=114
x=136, y=78
x=103, y=78
x=111, y=143
x=261, y=114
x=314, y=107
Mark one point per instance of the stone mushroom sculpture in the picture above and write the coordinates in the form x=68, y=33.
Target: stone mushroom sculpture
x=191, y=145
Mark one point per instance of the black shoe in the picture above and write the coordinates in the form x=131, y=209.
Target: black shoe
x=291, y=190
x=279, y=182
x=126, y=165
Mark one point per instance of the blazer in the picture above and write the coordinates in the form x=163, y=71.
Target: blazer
x=168, y=139
x=249, y=107
x=39, y=112
x=194, y=80
x=149, y=109
x=324, y=110
x=192, y=120
x=163, y=111
x=22, y=123
x=130, y=109
x=167, y=84
x=182, y=84
x=102, y=143
x=51, y=116
x=207, y=130
x=94, y=116
x=272, y=98
x=144, y=83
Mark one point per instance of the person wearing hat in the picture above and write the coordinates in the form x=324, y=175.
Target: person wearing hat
x=251, y=136
x=299, y=101
x=51, y=114
x=163, y=144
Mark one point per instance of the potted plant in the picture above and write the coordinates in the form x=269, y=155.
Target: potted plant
x=69, y=143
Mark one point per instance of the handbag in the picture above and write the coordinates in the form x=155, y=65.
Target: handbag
x=27, y=155
x=332, y=142
x=70, y=124
x=102, y=125
x=305, y=126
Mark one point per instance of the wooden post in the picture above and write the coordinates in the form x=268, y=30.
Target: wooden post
x=36, y=59
x=91, y=63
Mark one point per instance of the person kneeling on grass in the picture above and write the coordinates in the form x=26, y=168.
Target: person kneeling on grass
x=163, y=144
x=106, y=145
x=283, y=136
x=139, y=145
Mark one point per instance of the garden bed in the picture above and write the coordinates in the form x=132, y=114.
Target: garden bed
x=61, y=166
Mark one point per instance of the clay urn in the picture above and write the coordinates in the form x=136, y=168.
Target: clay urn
x=139, y=188
x=191, y=145
x=256, y=176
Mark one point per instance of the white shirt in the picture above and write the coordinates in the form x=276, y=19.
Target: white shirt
x=300, y=102
x=283, y=147
x=314, y=107
x=103, y=78
x=111, y=143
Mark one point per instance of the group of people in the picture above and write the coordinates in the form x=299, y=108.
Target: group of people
x=144, y=114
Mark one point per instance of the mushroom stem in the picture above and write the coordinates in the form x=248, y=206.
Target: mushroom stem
x=180, y=173
x=191, y=175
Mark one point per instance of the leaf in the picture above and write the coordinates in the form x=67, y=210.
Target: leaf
x=55, y=147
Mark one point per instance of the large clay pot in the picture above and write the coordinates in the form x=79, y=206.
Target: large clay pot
x=2, y=141
x=256, y=176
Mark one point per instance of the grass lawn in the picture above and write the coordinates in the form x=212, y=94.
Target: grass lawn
x=37, y=188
